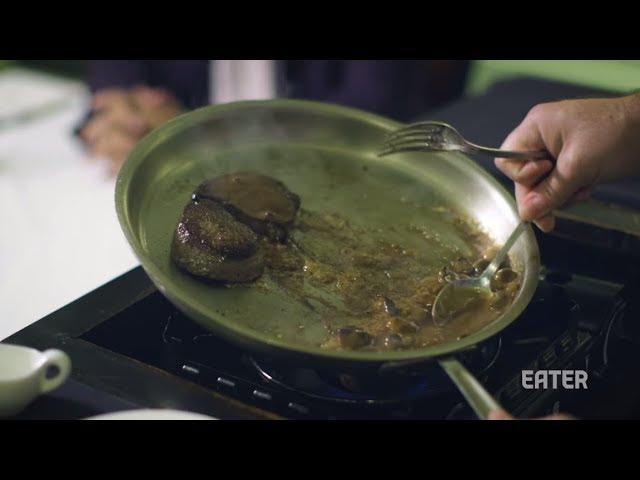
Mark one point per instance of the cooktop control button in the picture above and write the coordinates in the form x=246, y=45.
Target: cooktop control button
x=262, y=395
x=226, y=382
x=298, y=408
x=548, y=358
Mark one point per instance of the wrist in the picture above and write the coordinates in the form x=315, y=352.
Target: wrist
x=631, y=105
x=631, y=133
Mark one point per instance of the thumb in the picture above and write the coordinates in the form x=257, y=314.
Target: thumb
x=558, y=416
x=499, y=415
x=151, y=98
x=553, y=192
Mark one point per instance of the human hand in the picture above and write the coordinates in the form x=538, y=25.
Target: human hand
x=593, y=141
x=502, y=415
x=123, y=117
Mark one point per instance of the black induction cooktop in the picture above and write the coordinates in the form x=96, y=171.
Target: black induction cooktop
x=561, y=329
x=128, y=342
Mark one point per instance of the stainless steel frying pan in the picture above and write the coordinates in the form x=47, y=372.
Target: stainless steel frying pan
x=326, y=154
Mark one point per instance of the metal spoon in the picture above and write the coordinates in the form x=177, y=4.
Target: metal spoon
x=459, y=294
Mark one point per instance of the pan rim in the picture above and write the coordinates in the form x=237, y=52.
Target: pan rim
x=194, y=310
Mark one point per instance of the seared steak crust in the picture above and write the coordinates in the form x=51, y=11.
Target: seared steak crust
x=263, y=203
x=216, y=235
x=210, y=243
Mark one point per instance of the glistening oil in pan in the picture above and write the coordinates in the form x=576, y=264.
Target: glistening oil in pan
x=369, y=234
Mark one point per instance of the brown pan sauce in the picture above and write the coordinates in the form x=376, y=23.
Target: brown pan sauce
x=384, y=290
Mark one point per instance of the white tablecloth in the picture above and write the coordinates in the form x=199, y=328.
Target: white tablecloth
x=59, y=234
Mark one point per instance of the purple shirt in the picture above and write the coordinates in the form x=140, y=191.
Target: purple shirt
x=400, y=89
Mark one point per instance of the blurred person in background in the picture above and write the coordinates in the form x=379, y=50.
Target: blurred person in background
x=132, y=97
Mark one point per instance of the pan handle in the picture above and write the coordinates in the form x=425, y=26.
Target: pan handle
x=479, y=399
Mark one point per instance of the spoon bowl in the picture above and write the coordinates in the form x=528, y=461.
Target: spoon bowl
x=463, y=294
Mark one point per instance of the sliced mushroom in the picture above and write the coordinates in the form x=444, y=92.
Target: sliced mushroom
x=480, y=266
x=499, y=300
x=401, y=326
x=446, y=275
x=389, y=341
x=490, y=253
x=502, y=278
x=354, y=338
x=462, y=266
x=390, y=307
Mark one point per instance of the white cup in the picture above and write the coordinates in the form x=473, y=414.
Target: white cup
x=25, y=373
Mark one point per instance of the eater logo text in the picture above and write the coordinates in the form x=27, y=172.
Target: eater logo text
x=554, y=379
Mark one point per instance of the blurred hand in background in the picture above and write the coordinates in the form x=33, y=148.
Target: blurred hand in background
x=400, y=89
x=593, y=141
x=502, y=415
x=122, y=117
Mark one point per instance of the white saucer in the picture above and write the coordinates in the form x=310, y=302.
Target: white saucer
x=151, y=414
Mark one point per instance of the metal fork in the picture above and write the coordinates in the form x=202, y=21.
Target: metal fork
x=439, y=136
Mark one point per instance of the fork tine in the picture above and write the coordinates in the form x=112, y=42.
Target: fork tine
x=421, y=127
x=425, y=141
x=410, y=137
x=413, y=137
x=404, y=148
x=407, y=132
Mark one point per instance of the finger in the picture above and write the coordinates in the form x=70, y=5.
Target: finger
x=94, y=129
x=526, y=136
x=528, y=172
x=557, y=416
x=581, y=195
x=578, y=197
x=546, y=223
x=107, y=97
x=113, y=153
x=116, y=162
x=151, y=97
x=129, y=119
x=125, y=109
x=126, y=121
x=550, y=193
x=114, y=145
x=499, y=415
x=521, y=191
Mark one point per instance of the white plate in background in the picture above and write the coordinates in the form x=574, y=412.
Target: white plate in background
x=58, y=203
x=151, y=414
x=23, y=90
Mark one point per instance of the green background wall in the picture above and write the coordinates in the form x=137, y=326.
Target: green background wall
x=612, y=75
